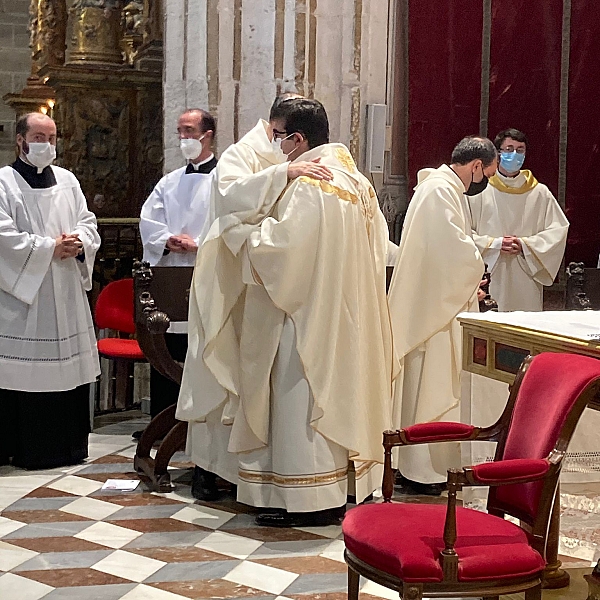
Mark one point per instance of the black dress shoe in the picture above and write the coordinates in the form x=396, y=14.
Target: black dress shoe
x=415, y=488
x=204, y=485
x=352, y=499
x=283, y=518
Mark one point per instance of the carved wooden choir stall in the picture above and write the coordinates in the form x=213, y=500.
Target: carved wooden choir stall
x=161, y=297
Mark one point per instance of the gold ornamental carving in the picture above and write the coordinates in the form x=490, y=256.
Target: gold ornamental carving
x=133, y=26
x=33, y=34
x=52, y=32
x=97, y=32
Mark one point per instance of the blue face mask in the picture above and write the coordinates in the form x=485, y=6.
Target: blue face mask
x=511, y=162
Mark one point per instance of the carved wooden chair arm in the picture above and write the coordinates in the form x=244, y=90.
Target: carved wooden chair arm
x=430, y=433
x=505, y=472
x=427, y=433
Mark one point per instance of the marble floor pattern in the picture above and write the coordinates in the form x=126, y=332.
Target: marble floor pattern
x=63, y=538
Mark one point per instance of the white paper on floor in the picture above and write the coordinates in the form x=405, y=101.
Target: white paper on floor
x=121, y=485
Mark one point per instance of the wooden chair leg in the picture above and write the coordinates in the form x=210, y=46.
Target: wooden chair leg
x=534, y=593
x=353, y=584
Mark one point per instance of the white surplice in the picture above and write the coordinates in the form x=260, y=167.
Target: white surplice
x=179, y=204
x=521, y=207
x=535, y=217
x=437, y=275
x=47, y=338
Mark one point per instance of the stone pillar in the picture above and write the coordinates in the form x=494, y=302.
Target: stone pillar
x=234, y=56
x=97, y=32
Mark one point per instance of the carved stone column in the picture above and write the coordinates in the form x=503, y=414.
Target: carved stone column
x=97, y=32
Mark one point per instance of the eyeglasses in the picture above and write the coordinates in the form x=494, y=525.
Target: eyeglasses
x=520, y=150
x=279, y=134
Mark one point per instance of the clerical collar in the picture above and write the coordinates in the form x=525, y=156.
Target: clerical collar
x=38, y=181
x=204, y=167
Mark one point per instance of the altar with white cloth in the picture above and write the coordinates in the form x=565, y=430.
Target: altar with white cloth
x=495, y=344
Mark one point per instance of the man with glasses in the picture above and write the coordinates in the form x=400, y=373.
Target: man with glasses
x=519, y=228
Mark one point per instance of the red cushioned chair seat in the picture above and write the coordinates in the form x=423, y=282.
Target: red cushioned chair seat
x=119, y=348
x=405, y=541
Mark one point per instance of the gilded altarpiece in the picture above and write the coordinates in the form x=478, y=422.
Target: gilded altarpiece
x=103, y=86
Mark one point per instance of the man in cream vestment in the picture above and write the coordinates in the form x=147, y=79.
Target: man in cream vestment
x=437, y=275
x=249, y=178
x=521, y=233
x=313, y=387
x=519, y=229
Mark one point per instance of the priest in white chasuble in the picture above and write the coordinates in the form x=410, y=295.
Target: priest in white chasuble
x=519, y=228
x=289, y=443
x=325, y=398
x=48, y=355
x=249, y=178
x=437, y=276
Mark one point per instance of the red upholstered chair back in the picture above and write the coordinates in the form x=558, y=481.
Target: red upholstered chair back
x=114, y=307
x=546, y=410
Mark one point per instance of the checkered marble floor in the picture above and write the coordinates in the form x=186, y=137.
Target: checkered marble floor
x=63, y=538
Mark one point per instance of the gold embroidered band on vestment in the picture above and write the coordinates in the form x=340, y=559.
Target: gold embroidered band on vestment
x=331, y=189
x=268, y=477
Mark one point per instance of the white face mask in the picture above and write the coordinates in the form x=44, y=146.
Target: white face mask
x=191, y=148
x=41, y=154
x=280, y=155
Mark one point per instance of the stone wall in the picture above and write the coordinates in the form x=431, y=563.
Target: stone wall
x=234, y=56
x=15, y=67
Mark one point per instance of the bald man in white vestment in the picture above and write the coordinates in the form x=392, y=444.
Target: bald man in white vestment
x=437, y=275
x=315, y=388
x=48, y=355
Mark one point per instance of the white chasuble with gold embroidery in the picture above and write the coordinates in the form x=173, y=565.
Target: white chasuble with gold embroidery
x=521, y=207
x=321, y=258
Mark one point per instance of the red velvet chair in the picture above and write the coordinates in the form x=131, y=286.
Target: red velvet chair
x=114, y=310
x=442, y=551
